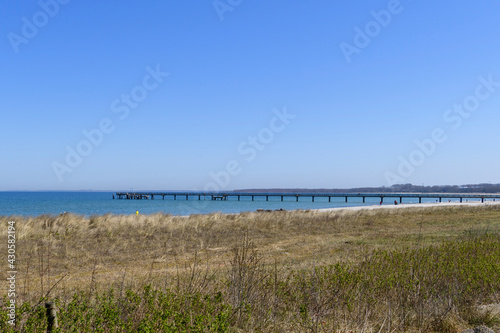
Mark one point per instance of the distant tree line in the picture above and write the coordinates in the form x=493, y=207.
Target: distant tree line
x=406, y=188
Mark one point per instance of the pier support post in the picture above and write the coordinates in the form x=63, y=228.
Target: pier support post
x=419, y=199
x=297, y=198
x=267, y=198
x=253, y=197
x=482, y=200
x=175, y=197
x=346, y=199
x=439, y=199
x=400, y=199
x=363, y=199
x=238, y=198
x=313, y=198
x=281, y=198
x=329, y=199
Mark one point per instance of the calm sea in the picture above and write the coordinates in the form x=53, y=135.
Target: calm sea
x=90, y=203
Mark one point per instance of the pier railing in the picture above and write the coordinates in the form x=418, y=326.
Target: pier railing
x=238, y=195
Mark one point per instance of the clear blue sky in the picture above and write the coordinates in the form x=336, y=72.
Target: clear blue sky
x=356, y=84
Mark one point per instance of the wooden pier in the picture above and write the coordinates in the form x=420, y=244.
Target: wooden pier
x=224, y=196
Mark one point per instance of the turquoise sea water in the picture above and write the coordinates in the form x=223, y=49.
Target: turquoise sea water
x=90, y=203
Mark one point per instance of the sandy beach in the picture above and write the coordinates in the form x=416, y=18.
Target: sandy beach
x=406, y=206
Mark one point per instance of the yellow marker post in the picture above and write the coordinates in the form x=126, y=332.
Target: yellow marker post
x=136, y=213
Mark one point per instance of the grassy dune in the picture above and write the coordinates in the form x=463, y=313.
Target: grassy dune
x=413, y=269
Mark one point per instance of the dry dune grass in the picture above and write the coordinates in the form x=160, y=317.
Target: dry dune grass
x=58, y=255
x=143, y=245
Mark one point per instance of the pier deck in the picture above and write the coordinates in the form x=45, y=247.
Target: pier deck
x=267, y=195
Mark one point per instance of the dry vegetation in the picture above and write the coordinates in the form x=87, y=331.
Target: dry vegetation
x=267, y=271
